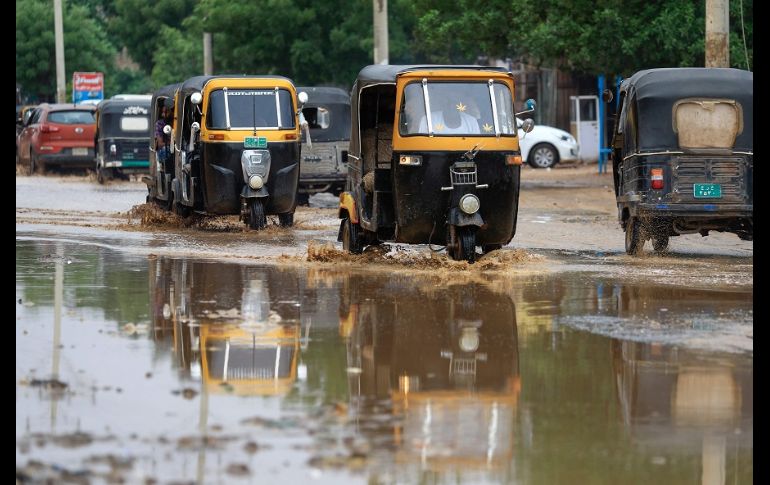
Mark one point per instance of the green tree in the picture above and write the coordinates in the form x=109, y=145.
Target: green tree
x=180, y=57
x=138, y=24
x=86, y=47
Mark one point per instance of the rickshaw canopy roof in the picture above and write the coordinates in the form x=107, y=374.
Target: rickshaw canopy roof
x=387, y=73
x=118, y=106
x=198, y=83
x=318, y=95
x=657, y=90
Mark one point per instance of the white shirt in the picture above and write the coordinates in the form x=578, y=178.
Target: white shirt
x=468, y=124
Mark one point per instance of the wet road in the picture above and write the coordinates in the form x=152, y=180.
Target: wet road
x=181, y=369
x=213, y=354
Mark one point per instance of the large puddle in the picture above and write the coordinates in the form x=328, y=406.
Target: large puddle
x=137, y=368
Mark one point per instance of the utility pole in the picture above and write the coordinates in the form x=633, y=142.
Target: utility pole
x=208, y=64
x=58, y=29
x=380, y=8
x=717, y=33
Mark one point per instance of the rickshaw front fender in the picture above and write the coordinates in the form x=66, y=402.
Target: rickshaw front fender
x=459, y=218
x=348, y=204
x=249, y=193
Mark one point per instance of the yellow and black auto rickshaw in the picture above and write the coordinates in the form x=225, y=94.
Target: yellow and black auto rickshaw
x=236, y=144
x=434, y=158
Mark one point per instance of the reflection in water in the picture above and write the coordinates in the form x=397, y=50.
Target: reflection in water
x=672, y=399
x=446, y=365
x=225, y=328
x=401, y=379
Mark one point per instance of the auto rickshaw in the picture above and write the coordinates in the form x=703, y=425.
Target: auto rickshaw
x=122, y=128
x=237, y=147
x=324, y=159
x=682, y=154
x=434, y=158
x=161, y=153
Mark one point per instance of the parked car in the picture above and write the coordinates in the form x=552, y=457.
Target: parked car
x=58, y=134
x=545, y=146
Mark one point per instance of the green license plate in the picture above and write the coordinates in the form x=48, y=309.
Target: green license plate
x=255, y=142
x=707, y=191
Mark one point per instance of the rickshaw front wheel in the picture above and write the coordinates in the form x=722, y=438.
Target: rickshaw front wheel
x=257, y=218
x=464, y=244
x=635, y=237
x=180, y=209
x=351, y=237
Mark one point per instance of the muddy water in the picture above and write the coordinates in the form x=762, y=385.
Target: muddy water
x=133, y=367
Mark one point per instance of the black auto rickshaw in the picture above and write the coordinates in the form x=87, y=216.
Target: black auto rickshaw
x=122, y=128
x=324, y=158
x=236, y=145
x=434, y=158
x=682, y=154
x=161, y=152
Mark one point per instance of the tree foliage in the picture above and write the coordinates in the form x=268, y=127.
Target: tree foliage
x=86, y=47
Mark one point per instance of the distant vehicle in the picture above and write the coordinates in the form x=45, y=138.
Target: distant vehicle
x=323, y=166
x=545, y=146
x=683, y=154
x=122, y=128
x=58, y=134
x=89, y=102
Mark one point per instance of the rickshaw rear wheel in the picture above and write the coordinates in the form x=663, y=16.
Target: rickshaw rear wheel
x=488, y=248
x=660, y=243
x=181, y=210
x=257, y=217
x=286, y=220
x=351, y=237
x=635, y=237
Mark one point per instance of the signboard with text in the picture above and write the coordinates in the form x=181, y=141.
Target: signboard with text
x=87, y=86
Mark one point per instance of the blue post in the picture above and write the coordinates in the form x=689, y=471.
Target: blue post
x=603, y=152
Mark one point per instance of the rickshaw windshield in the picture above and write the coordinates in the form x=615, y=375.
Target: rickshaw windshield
x=245, y=109
x=128, y=125
x=457, y=108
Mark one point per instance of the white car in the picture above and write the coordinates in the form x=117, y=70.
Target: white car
x=545, y=146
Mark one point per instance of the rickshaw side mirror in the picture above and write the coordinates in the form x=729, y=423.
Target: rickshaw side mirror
x=528, y=125
x=607, y=96
x=196, y=98
x=302, y=97
x=167, y=129
x=529, y=106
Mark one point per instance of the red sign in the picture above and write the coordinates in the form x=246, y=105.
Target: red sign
x=88, y=81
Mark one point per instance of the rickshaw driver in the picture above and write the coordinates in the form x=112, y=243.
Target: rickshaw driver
x=162, y=140
x=449, y=118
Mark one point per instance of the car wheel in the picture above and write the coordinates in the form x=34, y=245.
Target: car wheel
x=543, y=155
x=635, y=237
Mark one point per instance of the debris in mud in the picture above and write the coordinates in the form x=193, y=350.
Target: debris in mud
x=387, y=254
x=72, y=440
x=187, y=392
x=283, y=423
x=195, y=443
x=251, y=447
x=238, y=469
x=48, y=384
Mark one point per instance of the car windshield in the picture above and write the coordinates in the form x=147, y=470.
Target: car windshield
x=245, y=109
x=457, y=108
x=73, y=117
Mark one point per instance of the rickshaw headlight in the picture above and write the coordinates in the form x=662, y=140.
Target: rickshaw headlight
x=256, y=182
x=113, y=149
x=469, y=204
x=410, y=160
